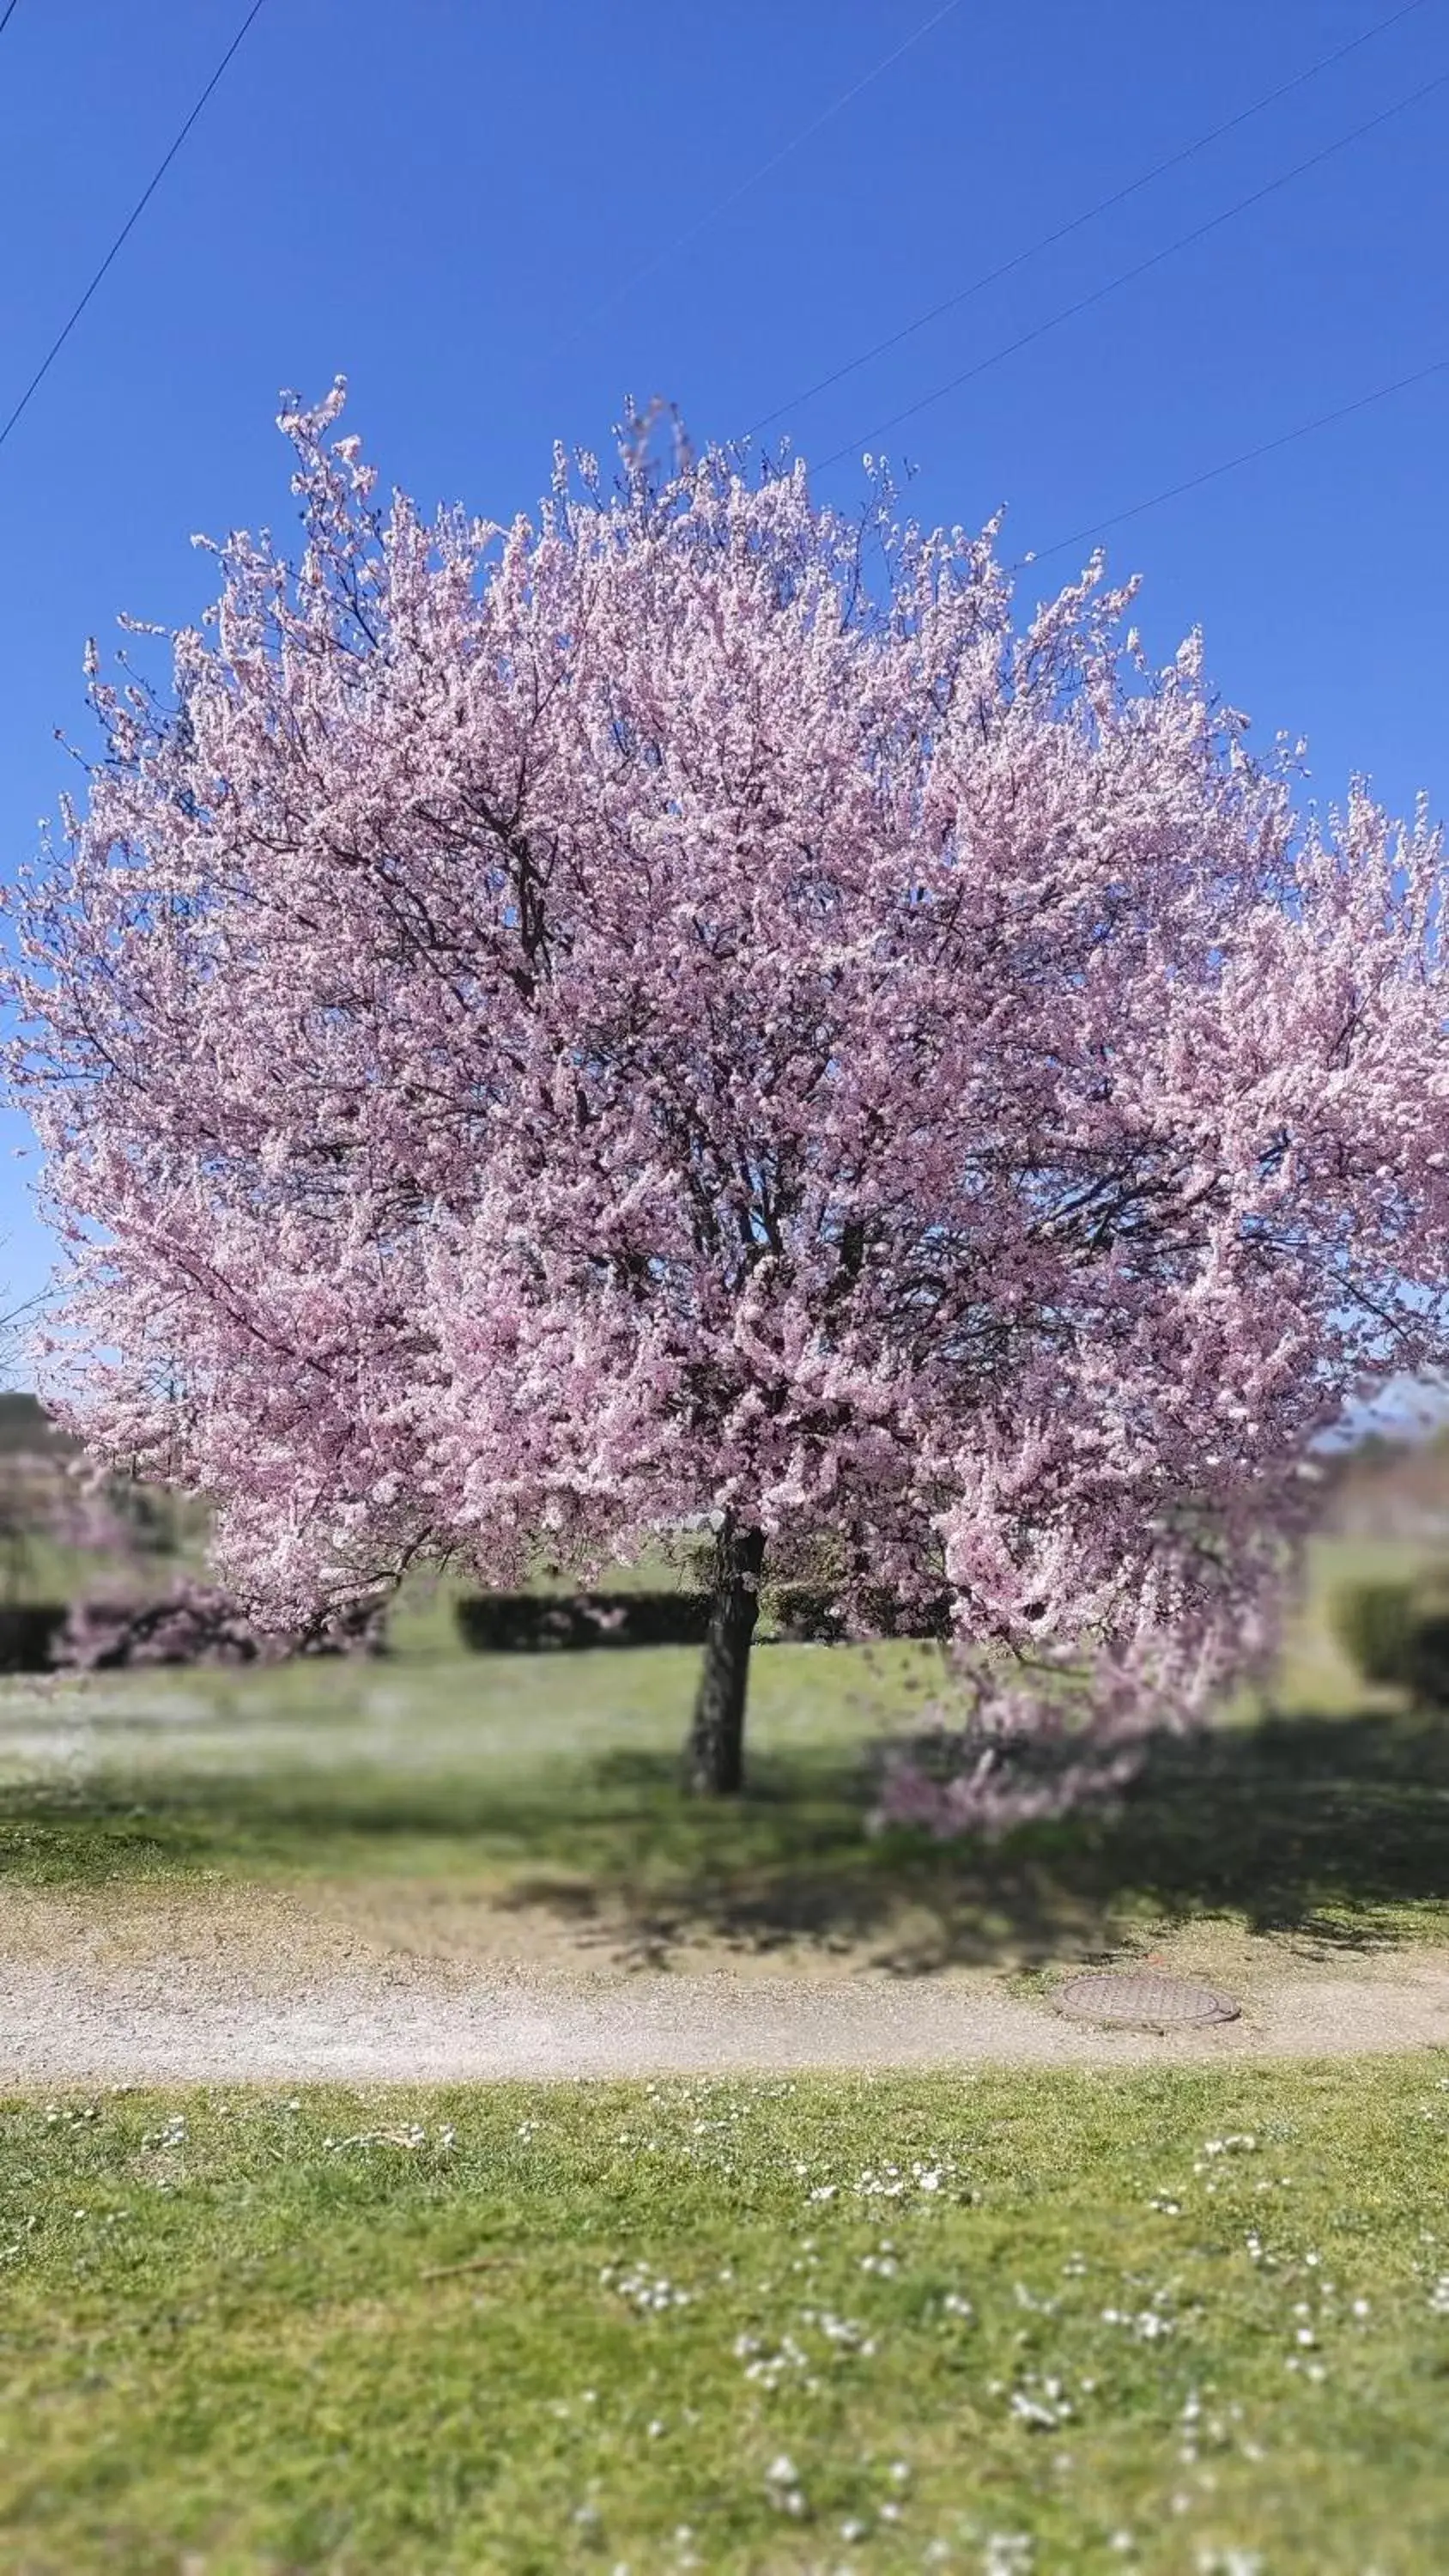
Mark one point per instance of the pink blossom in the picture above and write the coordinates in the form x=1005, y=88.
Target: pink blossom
x=565, y=1027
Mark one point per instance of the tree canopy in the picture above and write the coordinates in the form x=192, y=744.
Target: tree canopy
x=685, y=1004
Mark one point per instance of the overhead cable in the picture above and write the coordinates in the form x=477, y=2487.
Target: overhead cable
x=1139, y=268
x=128, y=227
x=1076, y=223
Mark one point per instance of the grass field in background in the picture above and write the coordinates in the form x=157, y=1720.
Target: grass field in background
x=1173, y=2322
x=551, y=1781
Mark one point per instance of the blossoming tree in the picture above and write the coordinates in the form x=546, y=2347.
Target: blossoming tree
x=553, y=1030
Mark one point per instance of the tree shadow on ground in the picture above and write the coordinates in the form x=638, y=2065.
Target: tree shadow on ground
x=1333, y=1829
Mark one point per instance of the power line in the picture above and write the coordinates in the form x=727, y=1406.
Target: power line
x=1248, y=456
x=723, y=205
x=1140, y=268
x=1104, y=205
x=9, y=14
x=128, y=227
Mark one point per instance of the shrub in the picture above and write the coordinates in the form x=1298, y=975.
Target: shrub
x=1426, y=1671
x=195, y=1623
x=801, y=1614
x=357, y=1628
x=1397, y=1632
x=28, y=1634
x=1371, y=1622
x=502, y=1623
x=803, y=1611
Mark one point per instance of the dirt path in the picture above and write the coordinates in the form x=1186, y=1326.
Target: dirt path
x=247, y=1989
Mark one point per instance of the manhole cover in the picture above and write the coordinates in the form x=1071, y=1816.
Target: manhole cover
x=1149, y=2002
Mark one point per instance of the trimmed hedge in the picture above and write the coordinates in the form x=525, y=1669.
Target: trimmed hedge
x=801, y=1613
x=530, y=1623
x=1371, y=1622
x=29, y=1634
x=1427, y=1663
x=196, y=1623
x=190, y=1624
x=1397, y=1633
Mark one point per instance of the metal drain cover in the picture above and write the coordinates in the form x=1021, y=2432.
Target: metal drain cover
x=1143, y=2001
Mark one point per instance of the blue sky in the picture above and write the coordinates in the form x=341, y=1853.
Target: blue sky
x=498, y=220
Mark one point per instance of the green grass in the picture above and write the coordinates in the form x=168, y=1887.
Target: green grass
x=551, y=1782
x=385, y=2334
x=382, y=2334
x=41, y=1569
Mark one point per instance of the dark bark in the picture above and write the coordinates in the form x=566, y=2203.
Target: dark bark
x=714, y=1759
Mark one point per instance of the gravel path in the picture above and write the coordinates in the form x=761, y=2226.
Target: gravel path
x=165, y=2020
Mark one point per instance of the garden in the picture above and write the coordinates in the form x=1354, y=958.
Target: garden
x=729, y=1215
x=1162, y=2313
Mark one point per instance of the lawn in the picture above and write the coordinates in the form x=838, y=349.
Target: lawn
x=1188, y=2323
x=547, y=1785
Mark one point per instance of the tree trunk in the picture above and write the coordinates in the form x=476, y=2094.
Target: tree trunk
x=714, y=1759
